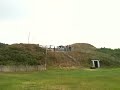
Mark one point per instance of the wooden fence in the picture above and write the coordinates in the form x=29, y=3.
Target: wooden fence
x=21, y=68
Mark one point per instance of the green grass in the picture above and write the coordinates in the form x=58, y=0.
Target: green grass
x=99, y=79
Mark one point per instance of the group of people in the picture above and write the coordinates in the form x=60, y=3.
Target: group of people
x=61, y=48
x=64, y=48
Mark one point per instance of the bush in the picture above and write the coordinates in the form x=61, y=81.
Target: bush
x=20, y=55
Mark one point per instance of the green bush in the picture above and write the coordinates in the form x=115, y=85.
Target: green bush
x=20, y=55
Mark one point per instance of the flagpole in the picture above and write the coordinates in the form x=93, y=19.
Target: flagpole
x=28, y=37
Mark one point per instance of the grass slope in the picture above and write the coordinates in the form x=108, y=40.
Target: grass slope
x=21, y=54
x=82, y=54
x=100, y=79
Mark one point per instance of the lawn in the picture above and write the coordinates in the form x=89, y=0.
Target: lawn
x=98, y=79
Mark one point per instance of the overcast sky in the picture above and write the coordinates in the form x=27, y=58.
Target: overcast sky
x=61, y=22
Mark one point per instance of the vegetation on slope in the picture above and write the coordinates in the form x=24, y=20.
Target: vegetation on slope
x=83, y=47
x=21, y=54
x=81, y=55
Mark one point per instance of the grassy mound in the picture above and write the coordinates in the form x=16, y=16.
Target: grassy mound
x=81, y=55
x=83, y=47
x=21, y=54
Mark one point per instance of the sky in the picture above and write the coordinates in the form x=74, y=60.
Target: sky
x=61, y=22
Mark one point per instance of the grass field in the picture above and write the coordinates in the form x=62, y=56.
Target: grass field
x=99, y=79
